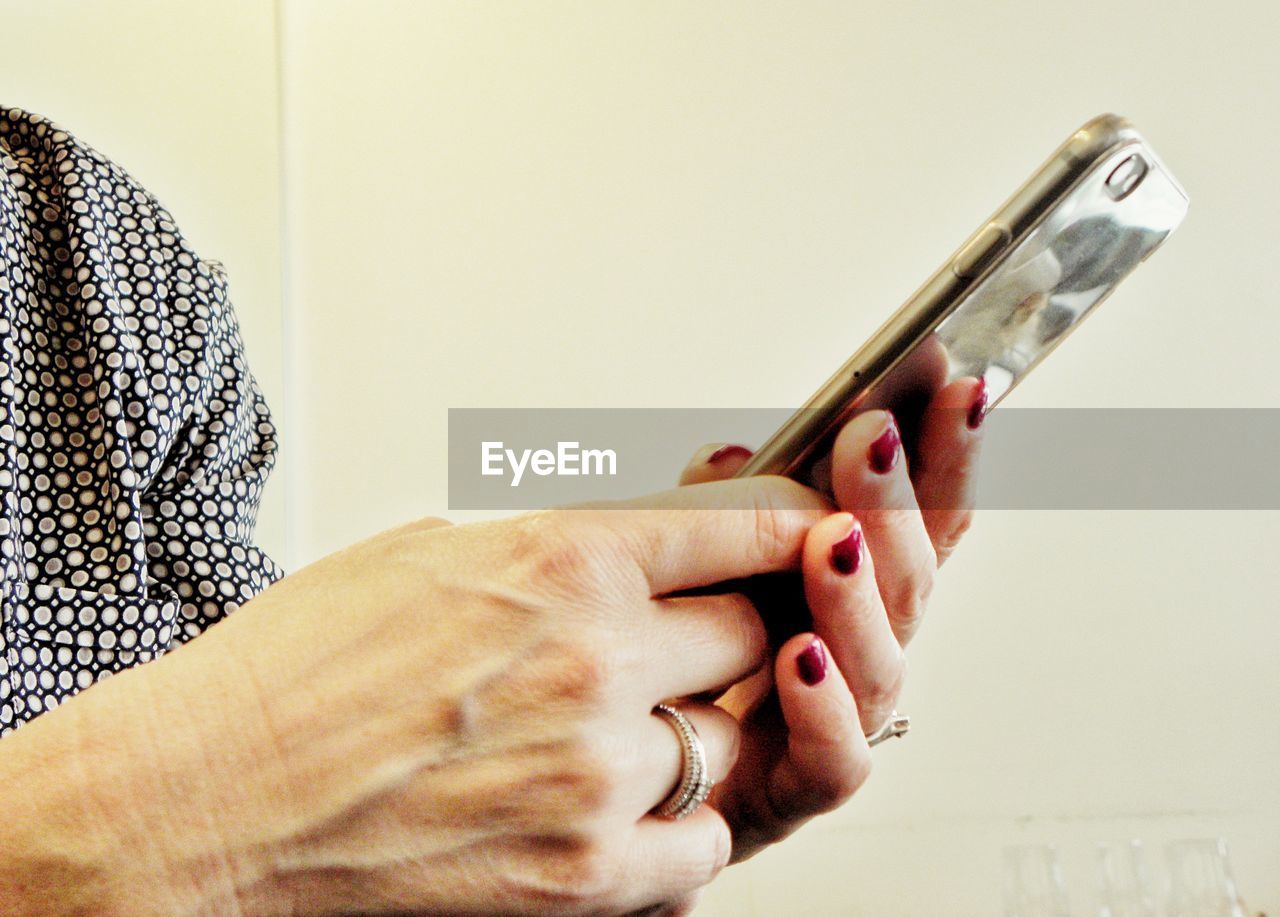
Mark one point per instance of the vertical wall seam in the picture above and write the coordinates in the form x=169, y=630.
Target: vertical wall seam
x=290, y=440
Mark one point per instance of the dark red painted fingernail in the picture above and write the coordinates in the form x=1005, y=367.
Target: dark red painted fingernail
x=846, y=554
x=978, y=410
x=812, y=663
x=732, y=449
x=883, y=454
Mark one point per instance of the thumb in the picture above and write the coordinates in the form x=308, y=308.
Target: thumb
x=714, y=462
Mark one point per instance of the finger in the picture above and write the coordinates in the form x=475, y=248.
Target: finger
x=660, y=758
x=708, y=533
x=679, y=908
x=714, y=462
x=701, y=644
x=621, y=768
x=946, y=462
x=567, y=872
x=871, y=480
x=840, y=587
x=827, y=755
x=668, y=860
x=746, y=696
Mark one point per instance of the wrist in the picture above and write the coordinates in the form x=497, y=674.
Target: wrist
x=101, y=812
x=66, y=846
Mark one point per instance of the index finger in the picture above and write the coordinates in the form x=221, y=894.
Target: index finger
x=704, y=534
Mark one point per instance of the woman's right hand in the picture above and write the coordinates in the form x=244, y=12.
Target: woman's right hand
x=441, y=719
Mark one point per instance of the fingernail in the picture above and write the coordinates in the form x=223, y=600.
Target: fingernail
x=727, y=450
x=812, y=663
x=846, y=554
x=978, y=410
x=883, y=454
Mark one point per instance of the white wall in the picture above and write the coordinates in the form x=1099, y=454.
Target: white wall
x=183, y=94
x=710, y=204
x=581, y=204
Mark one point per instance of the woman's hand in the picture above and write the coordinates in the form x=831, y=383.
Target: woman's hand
x=867, y=575
x=437, y=719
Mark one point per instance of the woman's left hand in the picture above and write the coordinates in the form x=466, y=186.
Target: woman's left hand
x=868, y=571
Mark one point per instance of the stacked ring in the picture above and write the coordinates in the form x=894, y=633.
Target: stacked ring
x=695, y=783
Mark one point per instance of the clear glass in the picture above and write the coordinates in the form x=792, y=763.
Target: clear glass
x=1125, y=881
x=1200, y=880
x=1033, y=883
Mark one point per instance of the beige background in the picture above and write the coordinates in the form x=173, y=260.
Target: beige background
x=605, y=203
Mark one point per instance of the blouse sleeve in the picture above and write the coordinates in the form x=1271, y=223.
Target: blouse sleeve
x=134, y=441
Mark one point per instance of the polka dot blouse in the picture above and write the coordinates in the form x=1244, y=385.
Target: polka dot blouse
x=134, y=442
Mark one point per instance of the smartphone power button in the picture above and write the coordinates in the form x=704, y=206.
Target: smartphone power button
x=980, y=250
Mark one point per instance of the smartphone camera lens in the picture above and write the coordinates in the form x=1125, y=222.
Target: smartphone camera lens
x=1126, y=176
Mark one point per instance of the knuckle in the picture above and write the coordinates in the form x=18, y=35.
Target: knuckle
x=778, y=532
x=557, y=679
x=881, y=690
x=721, y=736
x=705, y=862
x=845, y=768
x=682, y=907
x=529, y=531
x=566, y=678
x=588, y=875
x=565, y=560
x=912, y=597
x=733, y=748
x=586, y=778
x=961, y=522
x=744, y=626
x=924, y=581
x=585, y=674
x=567, y=874
x=841, y=783
x=721, y=850
x=554, y=549
x=601, y=785
x=956, y=526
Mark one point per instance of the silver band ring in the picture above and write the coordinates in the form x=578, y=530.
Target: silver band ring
x=896, y=725
x=695, y=782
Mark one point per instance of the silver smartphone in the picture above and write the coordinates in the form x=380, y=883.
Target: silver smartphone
x=1020, y=284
